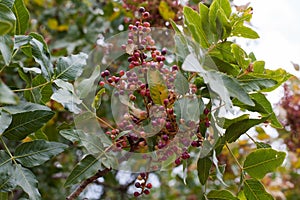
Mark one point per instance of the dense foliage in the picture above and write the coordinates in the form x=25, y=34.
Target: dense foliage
x=171, y=91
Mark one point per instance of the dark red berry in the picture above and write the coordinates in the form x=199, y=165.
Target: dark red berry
x=143, y=175
x=146, y=192
x=166, y=102
x=165, y=137
x=177, y=161
x=110, y=80
x=136, y=194
x=106, y=73
x=206, y=111
x=102, y=83
x=194, y=144
x=121, y=73
x=164, y=51
x=137, y=184
x=141, y=9
x=102, y=74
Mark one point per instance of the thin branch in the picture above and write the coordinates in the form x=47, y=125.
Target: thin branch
x=32, y=88
x=85, y=183
x=235, y=159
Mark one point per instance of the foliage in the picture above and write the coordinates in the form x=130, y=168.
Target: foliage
x=42, y=94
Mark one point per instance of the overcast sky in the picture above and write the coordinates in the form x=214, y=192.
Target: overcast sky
x=277, y=23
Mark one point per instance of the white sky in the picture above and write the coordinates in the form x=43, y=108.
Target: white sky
x=277, y=23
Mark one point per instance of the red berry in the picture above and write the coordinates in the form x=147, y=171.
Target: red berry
x=166, y=102
x=121, y=73
x=164, y=51
x=149, y=185
x=143, y=175
x=102, y=83
x=106, y=73
x=146, y=15
x=146, y=192
x=136, y=194
x=177, y=161
x=146, y=24
x=206, y=111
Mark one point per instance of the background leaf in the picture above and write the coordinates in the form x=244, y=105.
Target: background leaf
x=181, y=84
x=7, y=20
x=31, y=154
x=71, y=67
x=262, y=161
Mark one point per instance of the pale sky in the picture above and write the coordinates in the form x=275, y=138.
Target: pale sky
x=277, y=23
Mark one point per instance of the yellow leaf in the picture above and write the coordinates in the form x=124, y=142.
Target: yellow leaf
x=52, y=24
x=63, y=27
x=158, y=89
x=165, y=11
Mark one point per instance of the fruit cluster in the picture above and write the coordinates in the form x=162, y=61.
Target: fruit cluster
x=146, y=99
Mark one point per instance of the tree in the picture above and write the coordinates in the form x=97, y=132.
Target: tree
x=145, y=101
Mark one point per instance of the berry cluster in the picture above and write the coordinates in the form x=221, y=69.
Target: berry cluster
x=142, y=184
x=147, y=109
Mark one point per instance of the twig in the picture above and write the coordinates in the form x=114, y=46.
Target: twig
x=85, y=183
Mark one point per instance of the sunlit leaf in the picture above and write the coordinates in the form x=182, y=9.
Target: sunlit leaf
x=254, y=190
x=262, y=161
x=158, y=89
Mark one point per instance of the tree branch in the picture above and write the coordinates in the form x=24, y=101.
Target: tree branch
x=85, y=183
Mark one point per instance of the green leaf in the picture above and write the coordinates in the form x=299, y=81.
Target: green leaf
x=219, y=12
x=258, y=66
x=263, y=106
x=193, y=19
x=181, y=84
x=223, y=66
x=255, y=84
x=7, y=182
x=221, y=195
x=235, y=130
x=8, y=3
x=254, y=190
x=6, y=48
x=158, y=89
x=22, y=16
x=7, y=20
x=27, y=181
x=86, y=168
x=279, y=75
x=225, y=122
x=87, y=86
x=240, y=55
x=66, y=96
x=27, y=118
x=40, y=94
x=262, y=161
x=6, y=95
x=39, y=135
x=71, y=67
x=42, y=57
x=260, y=145
x=92, y=142
x=203, y=168
x=245, y=32
x=34, y=153
x=234, y=89
x=3, y=195
x=5, y=120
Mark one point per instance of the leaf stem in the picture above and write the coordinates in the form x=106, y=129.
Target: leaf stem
x=251, y=138
x=235, y=159
x=32, y=88
x=7, y=150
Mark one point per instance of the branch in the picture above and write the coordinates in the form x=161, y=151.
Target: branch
x=85, y=183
